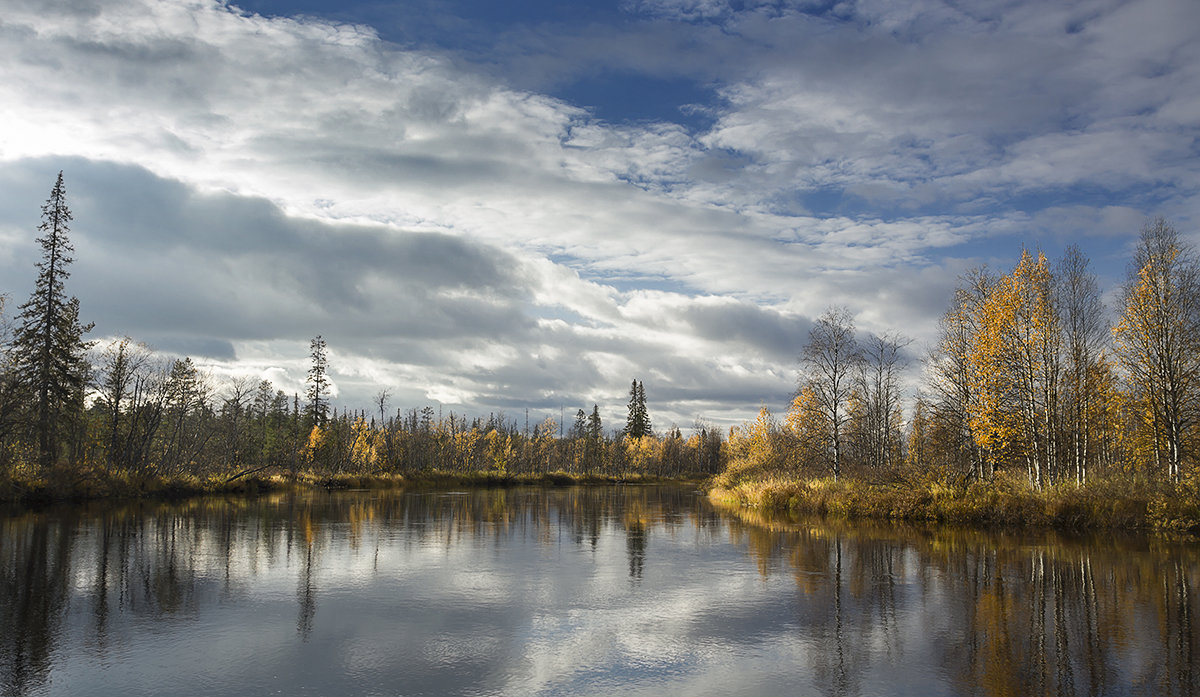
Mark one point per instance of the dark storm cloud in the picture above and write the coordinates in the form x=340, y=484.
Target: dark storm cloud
x=771, y=332
x=155, y=258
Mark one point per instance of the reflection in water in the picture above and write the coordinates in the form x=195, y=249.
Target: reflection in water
x=589, y=590
x=1007, y=614
x=635, y=543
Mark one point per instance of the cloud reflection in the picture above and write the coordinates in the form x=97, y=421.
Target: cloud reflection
x=592, y=590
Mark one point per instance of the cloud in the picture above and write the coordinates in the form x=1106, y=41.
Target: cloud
x=459, y=232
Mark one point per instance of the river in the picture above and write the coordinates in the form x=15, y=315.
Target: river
x=612, y=590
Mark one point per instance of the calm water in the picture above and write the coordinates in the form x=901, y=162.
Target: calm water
x=576, y=591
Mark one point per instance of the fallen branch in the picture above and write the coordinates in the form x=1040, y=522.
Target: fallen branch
x=249, y=471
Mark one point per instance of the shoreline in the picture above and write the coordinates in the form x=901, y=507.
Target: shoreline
x=1006, y=503
x=117, y=487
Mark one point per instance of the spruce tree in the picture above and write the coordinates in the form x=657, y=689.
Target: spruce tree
x=643, y=413
x=637, y=424
x=579, y=430
x=318, y=383
x=49, y=351
x=595, y=429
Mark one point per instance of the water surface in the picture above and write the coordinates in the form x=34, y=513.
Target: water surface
x=575, y=591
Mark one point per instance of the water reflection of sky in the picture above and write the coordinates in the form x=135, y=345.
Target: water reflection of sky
x=625, y=590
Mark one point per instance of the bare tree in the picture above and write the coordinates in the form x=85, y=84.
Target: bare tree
x=122, y=366
x=234, y=412
x=1084, y=333
x=878, y=383
x=828, y=363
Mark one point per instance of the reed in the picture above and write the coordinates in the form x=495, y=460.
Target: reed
x=1006, y=500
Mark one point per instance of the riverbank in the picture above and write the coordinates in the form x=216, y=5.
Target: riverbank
x=1005, y=501
x=100, y=485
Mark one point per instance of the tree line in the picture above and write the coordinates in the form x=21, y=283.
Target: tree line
x=72, y=408
x=1027, y=378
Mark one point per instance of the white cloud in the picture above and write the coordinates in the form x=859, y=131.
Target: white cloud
x=483, y=243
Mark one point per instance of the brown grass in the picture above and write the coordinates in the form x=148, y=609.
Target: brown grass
x=84, y=485
x=1007, y=500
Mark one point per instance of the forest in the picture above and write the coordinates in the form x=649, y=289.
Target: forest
x=79, y=418
x=1033, y=406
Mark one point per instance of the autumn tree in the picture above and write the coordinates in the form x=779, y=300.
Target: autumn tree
x=917, y=453
x=806, y=433
x=1015, y=370
x=1158, y=341
x=1084, y=333
x=49, y=350
x=950, y=375
x=753, y=450
x=829, y=362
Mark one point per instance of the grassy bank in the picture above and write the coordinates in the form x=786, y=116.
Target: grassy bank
x=1004, y=501
x=96, y=485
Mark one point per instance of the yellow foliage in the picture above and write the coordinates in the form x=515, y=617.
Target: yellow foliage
x=1012, y=364
x=499, y=449
x=752, y=449
x=805, y=420
x=917, y=454
x=367, y=445
x=641, y=453
x=312, y=446
x=1157, y=340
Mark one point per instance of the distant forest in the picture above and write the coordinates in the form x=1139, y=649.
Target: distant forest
x=1028, y=379
x=72, y=409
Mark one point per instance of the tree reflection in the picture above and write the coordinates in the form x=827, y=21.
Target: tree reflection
x=635, y=546
x=33, y=595
x=1015, y=614
x=989, y=614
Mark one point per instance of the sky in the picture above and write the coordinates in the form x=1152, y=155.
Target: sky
x=510, y=207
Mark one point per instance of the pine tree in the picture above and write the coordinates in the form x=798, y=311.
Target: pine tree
x=49, y=351
x=318, y=383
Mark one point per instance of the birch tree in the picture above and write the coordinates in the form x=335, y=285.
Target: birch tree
x=1158, y=341
x=829, y=362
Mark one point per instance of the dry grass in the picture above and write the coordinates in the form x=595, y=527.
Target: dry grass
x=1007, y=500
x=82, y=485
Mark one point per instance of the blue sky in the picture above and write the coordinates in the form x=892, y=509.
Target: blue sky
x=493, y=206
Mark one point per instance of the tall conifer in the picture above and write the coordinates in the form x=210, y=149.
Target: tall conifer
x=637, y=424
x=50, y=353
x=318, y=382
